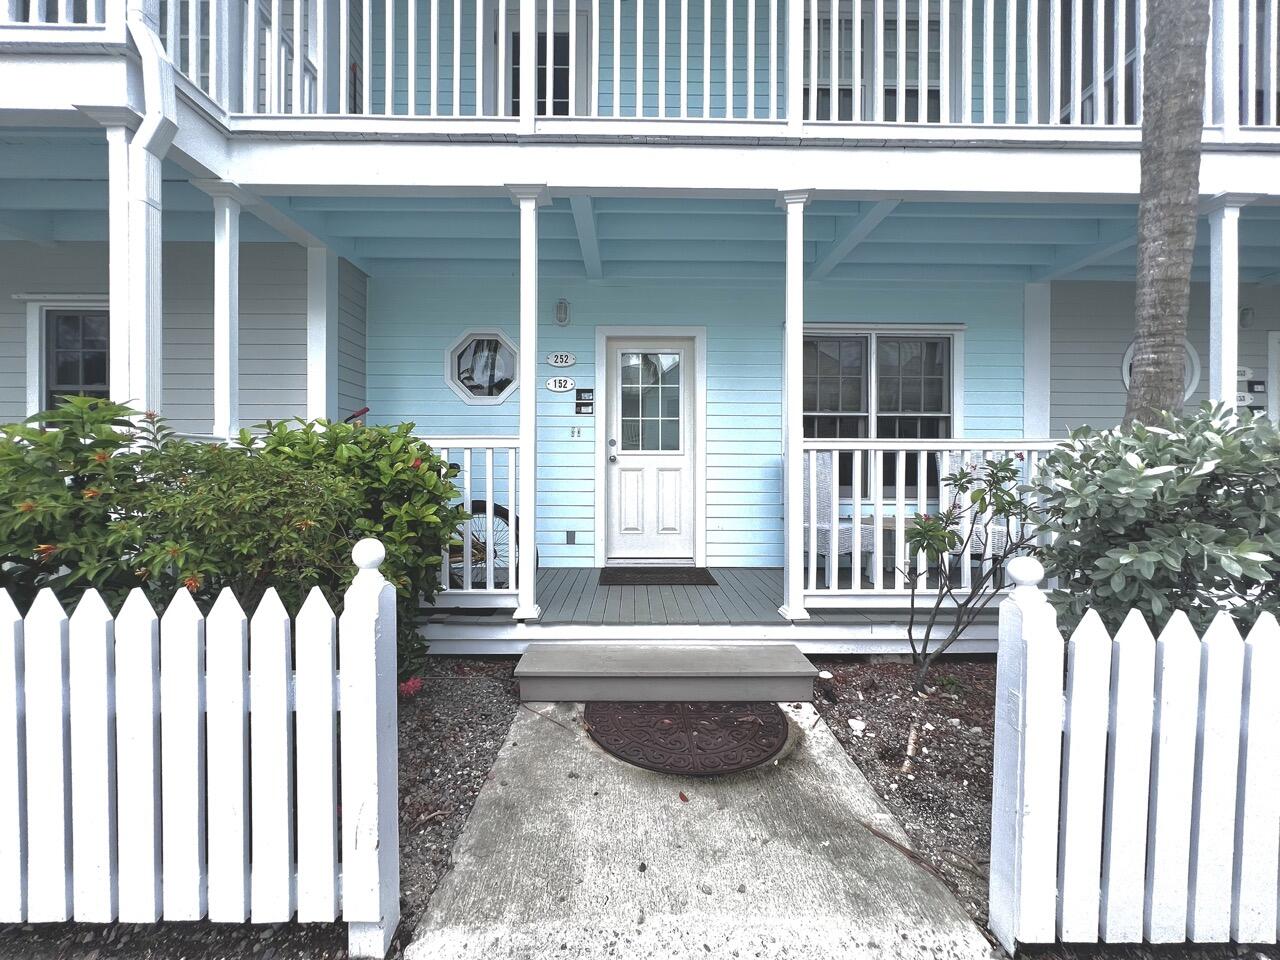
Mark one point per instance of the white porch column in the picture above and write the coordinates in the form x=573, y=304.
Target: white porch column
x=528, y=78
x=134, y=280
x=1224, y=299
x=795, y=66
x=528, y=198
x=226, y=317
x=322, y=335
x=793, y=607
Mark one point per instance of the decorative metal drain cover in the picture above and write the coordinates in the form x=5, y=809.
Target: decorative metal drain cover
x=697, y=739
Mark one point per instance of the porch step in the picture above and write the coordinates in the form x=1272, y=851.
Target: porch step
x=583, y=671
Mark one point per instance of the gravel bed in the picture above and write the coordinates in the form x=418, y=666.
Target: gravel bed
x=450, y=733
x=944, y=798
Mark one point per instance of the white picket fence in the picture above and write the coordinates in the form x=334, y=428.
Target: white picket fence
x=1142, y=799
x=147, y=772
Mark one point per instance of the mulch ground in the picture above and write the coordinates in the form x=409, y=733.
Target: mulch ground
x=943, y=797
x=450, y=734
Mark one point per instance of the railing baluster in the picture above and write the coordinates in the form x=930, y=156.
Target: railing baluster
x=457, y=61
x=446, y=562
x=944, y=61
x=1077, y=57
x=573, y=57
x=617, y=57
x=249, y=91
x=966, y=530
x=706, y=57
x=595, y=58
x=1118, y=50
x=299, y=55
x=549, y=56
x=511, y=531
x=1033, y=61
x=834, y=110
x=466, y=527
x=814, y=9
x=900, y=520
x=479, y=59
x=966, y=62
x=436, y=74
x=855, y=513
x=774, y=8
x=1209, y=61
x=488, y=518
x=684, y=57
x=855, y=71
x=1269, y=87
x=1099, y=62
x=922, y=63
x=833, y=545
x=922, y=508
x=811, y=545
x=730, y=106
x=1055, y=62
x=944, y=502
x=877, y=65
x=751, y=59
x=411, y=59
x=876, y=480
x=989, y=62
x=275, y=59
x=500, y=108
x=639, y=110
x=1011, y=61
x=366, y=58
x=344, y=55
x=173, y=29
x=900, y=90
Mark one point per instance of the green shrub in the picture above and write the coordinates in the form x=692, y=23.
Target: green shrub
x=1183, y=515
x=101, y=501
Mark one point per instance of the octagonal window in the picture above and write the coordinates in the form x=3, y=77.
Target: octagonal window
x=483, y=367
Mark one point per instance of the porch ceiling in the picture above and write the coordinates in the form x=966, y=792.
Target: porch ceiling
x=53, y=189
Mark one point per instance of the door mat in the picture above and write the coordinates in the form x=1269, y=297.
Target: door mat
x=698, y=739
x=656, y=577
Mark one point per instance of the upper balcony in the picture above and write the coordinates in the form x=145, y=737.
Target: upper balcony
x=928, y=70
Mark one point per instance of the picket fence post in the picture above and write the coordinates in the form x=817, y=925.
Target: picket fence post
x=1028, y=750
x=13, y=767
x=370, y=833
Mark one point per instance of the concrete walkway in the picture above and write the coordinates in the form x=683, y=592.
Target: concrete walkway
x=571, y=853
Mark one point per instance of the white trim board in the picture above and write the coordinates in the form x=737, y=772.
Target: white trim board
x=699, y=337
x=1273, y=376
x=1036, y=364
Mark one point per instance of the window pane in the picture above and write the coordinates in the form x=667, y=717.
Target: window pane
x=95, y=368
x=95, y=330
x=630, y=368
x=828, y=394
x=933, y=395
x=890, y=397
x=912, y=358
x=67, y=369
x=853, y=357
x=630, y=434
x=935, y=358
x=810, y=358
x=851, y=398
x=649, y=435
x=671, y=402
x=911, y=394
x=68, y=330
x=485, y=366
x=887, y=357
x=648, y=368
x=829, y=358
x=811, y=393
x=669, y=367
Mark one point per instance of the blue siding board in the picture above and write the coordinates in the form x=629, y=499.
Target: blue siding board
x=413, y=322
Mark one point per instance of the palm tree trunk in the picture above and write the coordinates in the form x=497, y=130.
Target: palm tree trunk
x=1172, y=121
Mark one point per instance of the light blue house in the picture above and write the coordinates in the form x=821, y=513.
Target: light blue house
x=734, y=297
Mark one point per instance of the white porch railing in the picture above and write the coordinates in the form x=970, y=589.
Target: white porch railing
x=1140, y=799
x=860, y=497
x=46, y=12
x=482, y=571
x=147, y=773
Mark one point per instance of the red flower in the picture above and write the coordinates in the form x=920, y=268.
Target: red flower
x=101, y=456
x=26, y=506
x=192, y=583
x=46, y=549
x=417, y=462
x=411, y=687
x=91, y=492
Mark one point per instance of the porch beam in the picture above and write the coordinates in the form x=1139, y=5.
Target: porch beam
x=840, y=250
x=1075, y=260
x=584, y=220
x=226, y=317
x=528, y=197
x=793, y=608
x=1224, y=303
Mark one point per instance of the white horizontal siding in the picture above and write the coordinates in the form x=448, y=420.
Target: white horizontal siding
x=1092, y=327
x=273, y=363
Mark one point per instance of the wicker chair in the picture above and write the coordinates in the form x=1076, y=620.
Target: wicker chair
x=826, y=490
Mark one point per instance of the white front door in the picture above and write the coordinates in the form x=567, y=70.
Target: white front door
x=650, y=451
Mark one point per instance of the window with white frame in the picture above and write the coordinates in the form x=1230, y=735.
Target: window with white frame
x=76, y=354
x=482, y=367
x=860, y=385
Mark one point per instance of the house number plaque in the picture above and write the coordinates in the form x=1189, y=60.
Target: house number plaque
x=560, y=384
x=561, y=359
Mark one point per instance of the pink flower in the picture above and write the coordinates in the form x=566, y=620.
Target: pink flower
x=411, y=688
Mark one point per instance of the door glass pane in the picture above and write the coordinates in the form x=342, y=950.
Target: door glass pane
x=650, y=401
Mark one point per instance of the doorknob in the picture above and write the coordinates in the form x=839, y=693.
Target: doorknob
x=613, y=458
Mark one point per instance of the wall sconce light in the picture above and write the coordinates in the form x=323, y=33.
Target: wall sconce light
x=562, y=313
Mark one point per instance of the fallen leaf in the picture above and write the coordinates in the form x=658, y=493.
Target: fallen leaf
x=683, y=798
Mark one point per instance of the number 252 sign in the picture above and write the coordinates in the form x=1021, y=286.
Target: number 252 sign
x=560, y=384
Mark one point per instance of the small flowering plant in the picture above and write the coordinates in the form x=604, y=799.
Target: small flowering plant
x=984, y=520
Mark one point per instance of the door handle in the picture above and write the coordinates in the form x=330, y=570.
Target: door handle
x=613, y=458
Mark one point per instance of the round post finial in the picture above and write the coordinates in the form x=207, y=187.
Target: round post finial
x=1025, y=571
x=368, y=554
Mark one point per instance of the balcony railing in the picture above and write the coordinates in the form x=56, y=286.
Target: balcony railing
x=861, y=497
x=833, y=63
